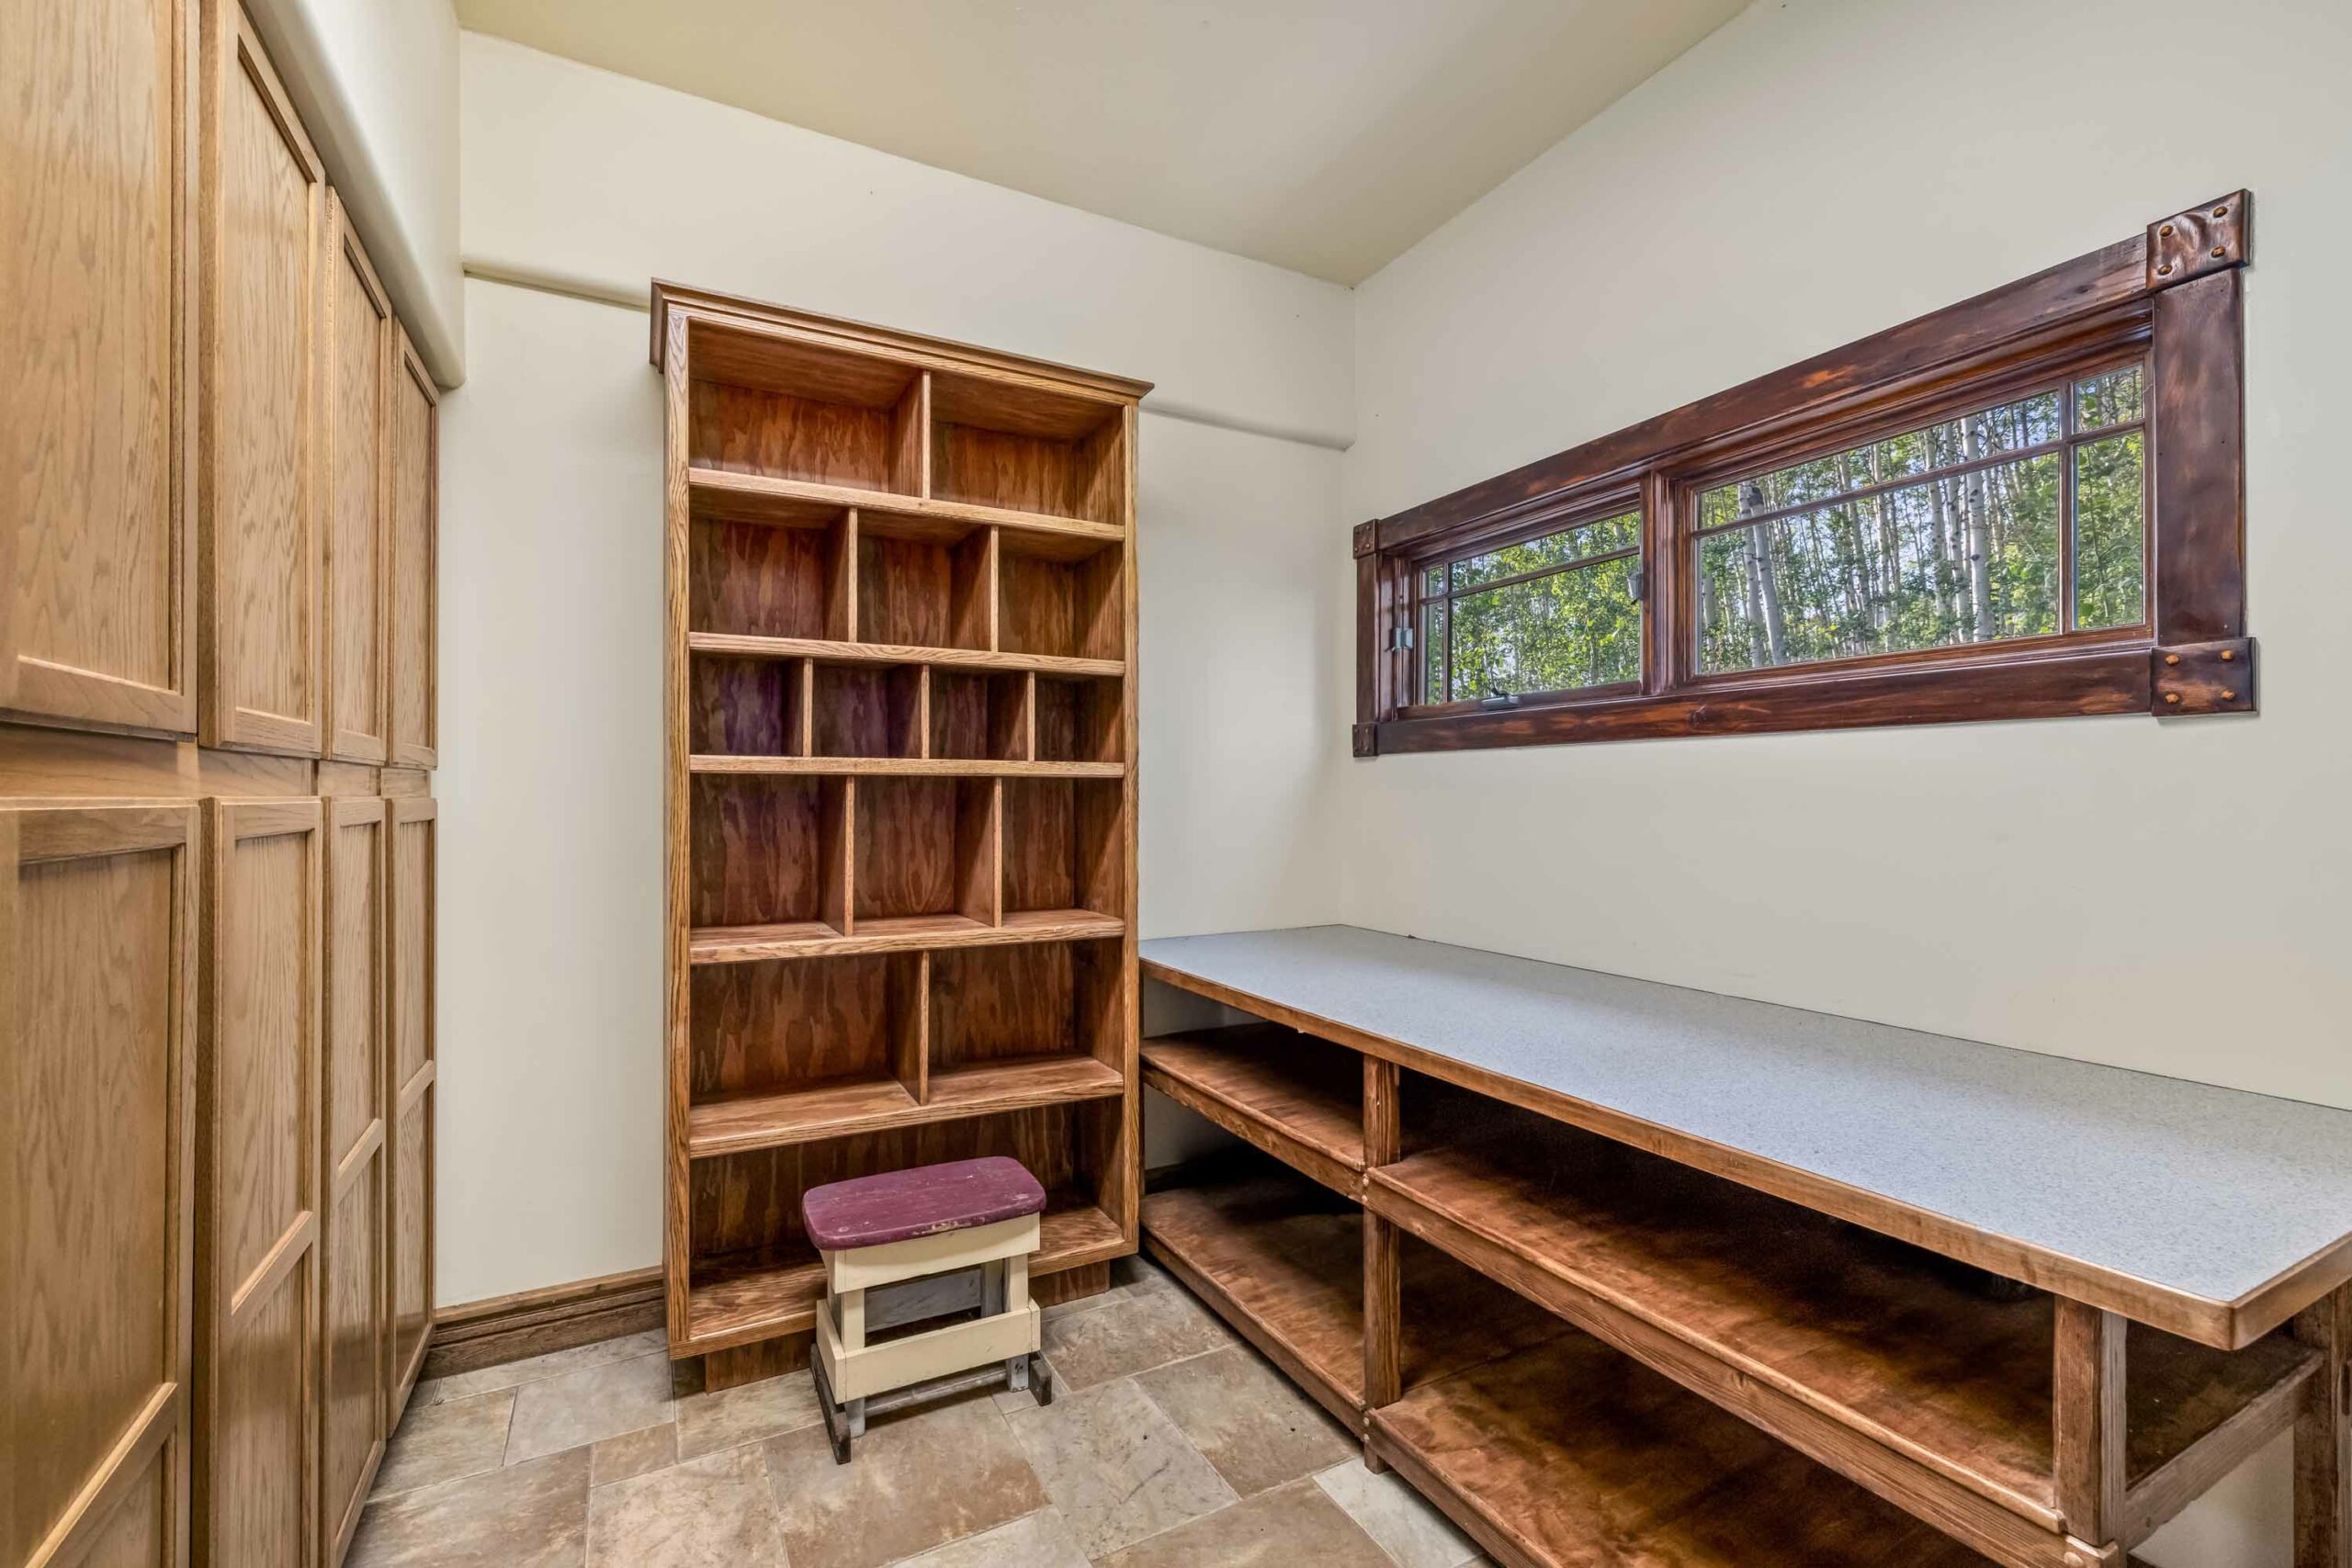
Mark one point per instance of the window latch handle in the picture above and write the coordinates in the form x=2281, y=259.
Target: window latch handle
x=1498, y=698
x=1639, y=587
x=1400, y=639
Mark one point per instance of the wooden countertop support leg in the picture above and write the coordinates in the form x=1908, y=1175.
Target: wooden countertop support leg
x=2324, y=1437
x=2088, y=1413
x=1384, y=1381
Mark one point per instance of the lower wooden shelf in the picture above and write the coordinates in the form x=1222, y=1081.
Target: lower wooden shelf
x=1817, y=1331
x=744, y=1123
x=1281, y=1259
x=1298, y=1099
x=737, y=1298
x=1569, y=1455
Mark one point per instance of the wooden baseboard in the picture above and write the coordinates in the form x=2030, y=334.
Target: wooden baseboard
x=532, y=1323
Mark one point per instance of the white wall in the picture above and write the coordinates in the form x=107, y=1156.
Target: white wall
x=603, y=184
x=2164, y=897
x=376, y=85
x=549, y=1003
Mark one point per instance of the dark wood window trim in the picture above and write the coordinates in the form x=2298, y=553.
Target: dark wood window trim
x=2172, y=293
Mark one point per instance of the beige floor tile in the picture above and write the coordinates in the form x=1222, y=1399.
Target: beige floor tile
x=1116, y=1466
x=1288, y=1528
x=526, y=1515
x=584, y=1406
x=443, y=1442
x=708, y=1422
x=1404, y=1522
x=1041, y=1541
x=713, y=1512
x=1247, y=1419
x=514, y=1375
x=632, y=1454
x=919, y=1480
x=1133, y=1334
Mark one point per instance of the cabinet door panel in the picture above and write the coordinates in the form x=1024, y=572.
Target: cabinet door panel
x=96, y=1118
x=410, y=987
x=352, y=1267
x=260, y=1073
x=265, y=216
x=360, y=350
x=96, y=157
x=414, y=461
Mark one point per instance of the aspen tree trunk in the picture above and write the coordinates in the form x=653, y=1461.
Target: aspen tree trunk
x=1980, y=543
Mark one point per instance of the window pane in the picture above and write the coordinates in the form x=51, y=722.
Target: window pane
x=1962, y=559
x=1595, y=538
x=2114, y=397
x=1579, y=628
x=2011, y=427
x=2111, y=533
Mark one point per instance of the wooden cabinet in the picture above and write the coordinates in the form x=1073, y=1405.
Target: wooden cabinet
x=415, y=458
x=361, y=333
x=409, y=1089
x=257, y=1248
x=96, y=115
x=217, y=532
x=96, y=1016
x=264, y=221
x=354, y=1272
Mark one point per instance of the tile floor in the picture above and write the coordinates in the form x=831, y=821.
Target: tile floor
x=1172, y=1443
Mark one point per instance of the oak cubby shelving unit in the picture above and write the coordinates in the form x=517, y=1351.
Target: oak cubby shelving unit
x=1678, y=1358
x=902, y=795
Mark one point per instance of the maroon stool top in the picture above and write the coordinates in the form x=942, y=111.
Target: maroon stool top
x=898, y=1205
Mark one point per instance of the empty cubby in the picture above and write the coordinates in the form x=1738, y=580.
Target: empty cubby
x=1052, y=601
x=748, y=707
x=868, y=710
x=787, y=410
x=979, y=714
x=997, y=1004
x=1065, y=845
x=767, y=576
x=790, y=1024
x=1080, y=720
x=922, y=582
x=925, y=847
x=1027, y=450
x=765, y=850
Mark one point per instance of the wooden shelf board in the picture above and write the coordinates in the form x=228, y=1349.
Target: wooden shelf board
x=759, y=497
x=739, y=1298
x=1299, y=1100
x=732, y=645
x=744, y=1123
x=899, y=933
x=904, y=767
x=1018, y=1083
x=1848, y=1329
x=1281, y=1259
x=1569, y=1455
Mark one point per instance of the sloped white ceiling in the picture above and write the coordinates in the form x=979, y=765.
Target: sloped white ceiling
x=1322, y=135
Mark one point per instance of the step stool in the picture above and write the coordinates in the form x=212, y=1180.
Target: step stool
x=933, y=1220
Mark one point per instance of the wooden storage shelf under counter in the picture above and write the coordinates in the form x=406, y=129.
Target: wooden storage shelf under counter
x=1281, y=1259
x=1297, y=1097
x=1866, y=1354
x=1569, y=1455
